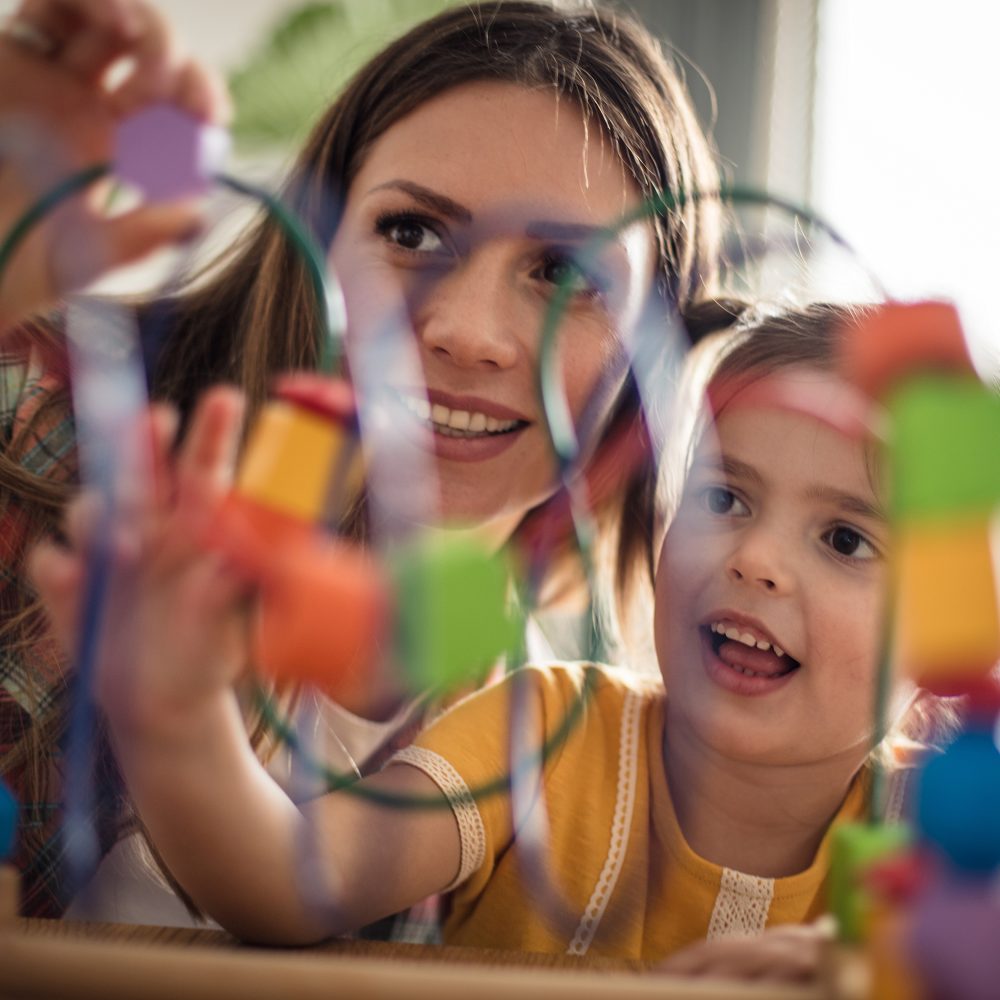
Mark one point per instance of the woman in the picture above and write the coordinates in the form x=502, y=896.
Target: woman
x=451, y=183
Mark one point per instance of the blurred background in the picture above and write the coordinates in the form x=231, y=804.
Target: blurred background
x=878, y=114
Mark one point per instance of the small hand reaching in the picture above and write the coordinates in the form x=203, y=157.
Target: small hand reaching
x=176, y=629
x=790, y=953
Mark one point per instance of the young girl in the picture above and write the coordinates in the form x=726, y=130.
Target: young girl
x=450, y=184
x=669, y=819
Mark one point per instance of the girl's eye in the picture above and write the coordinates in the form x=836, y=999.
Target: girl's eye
x=409, y=233
x=720, y=500
x=850, y=543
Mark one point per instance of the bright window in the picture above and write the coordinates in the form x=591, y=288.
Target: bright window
x=908, y=148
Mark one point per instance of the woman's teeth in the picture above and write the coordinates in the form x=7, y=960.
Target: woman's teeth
x=455, y=423
x=734, y=633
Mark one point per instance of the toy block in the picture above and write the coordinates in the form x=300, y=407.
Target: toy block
x=957, y=805
x=167, y=153
x=945, y=448
x=946, y=601
x=901, y=338
x=303, y=459
x=287, y=462
x=856, y=847
x=453, y=618
x=322, y=618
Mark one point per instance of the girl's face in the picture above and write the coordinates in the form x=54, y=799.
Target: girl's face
x=779, y=546
x=460, y=223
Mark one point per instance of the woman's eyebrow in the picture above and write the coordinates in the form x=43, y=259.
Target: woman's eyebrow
x=537, y=229
x=429, y=199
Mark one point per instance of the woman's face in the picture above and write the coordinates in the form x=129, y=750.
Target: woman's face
x=459, y=225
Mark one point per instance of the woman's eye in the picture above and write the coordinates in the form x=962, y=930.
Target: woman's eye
x=560, y=270
x=720, y=500
x=409, y=233
x=850, y=543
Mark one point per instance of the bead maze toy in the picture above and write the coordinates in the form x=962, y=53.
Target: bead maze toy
x=913, y=903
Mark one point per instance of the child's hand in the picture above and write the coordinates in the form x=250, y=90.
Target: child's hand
x=791, y=953
x=175, y=629
x=57, y=115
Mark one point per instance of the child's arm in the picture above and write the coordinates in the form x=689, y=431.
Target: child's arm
x=174, y=646
x=240, y=846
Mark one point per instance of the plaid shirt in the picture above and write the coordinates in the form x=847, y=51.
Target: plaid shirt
x=40, y=439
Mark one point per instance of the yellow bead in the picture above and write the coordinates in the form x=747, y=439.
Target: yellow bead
x=290, y=460
x=949, y=623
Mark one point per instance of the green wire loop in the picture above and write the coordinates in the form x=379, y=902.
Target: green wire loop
x=330, y=332
x=330, y=335
x=43, y=206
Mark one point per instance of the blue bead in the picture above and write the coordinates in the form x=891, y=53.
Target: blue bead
x=8, y=822
x=958, y=802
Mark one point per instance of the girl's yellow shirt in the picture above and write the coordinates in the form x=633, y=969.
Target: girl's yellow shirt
x=599, y=864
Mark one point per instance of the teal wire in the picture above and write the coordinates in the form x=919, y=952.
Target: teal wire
x=331, y=331
x=43, y=206
x=330, y=334
x=336, y=781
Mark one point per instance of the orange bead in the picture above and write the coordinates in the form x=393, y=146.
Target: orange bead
x=323, y=617
x=903, y=338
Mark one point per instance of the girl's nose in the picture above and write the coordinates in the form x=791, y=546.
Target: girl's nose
x=760, y=559
x=469, y=316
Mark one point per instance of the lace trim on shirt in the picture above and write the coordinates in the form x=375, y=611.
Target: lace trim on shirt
x=741, y=907
x=621, y=824
x=472, y=833
x=899, y=781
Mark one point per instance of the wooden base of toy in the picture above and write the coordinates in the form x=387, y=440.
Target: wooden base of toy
x=56, y=959
x=65, y=960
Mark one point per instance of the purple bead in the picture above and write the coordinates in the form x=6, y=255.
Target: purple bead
x=954, y=940
x=166, y=153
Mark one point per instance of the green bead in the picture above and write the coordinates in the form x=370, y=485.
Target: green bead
x=453, y=610
x=855, y=847
x=945, y=448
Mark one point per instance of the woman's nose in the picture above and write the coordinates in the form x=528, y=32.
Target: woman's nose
x=761, y=559
x=469, y=316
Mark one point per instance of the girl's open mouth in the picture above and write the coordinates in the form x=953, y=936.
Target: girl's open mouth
x=748, y=659
x=742, y=667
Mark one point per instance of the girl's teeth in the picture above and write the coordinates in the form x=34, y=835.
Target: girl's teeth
x=440, y=414
x=731, y=632
x=478, y=422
